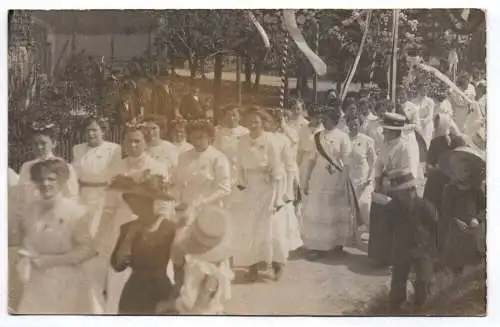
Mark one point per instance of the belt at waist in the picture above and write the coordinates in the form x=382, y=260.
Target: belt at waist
x=92, y=184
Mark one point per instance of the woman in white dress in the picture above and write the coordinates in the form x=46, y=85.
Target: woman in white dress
x=328, y=218
x=202, y=178
x=410, y=111
x=426, y=113
x=288, y=166
x=178, y=135
x=95, y=162
x=259, y=174
x=361, y=163
x=44, y=142
x=116, y=212
x=227, y=137
x=55, y=242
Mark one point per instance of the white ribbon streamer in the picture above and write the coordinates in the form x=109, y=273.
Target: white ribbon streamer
x=446, y=80
x=294, y=31
x=261, y=30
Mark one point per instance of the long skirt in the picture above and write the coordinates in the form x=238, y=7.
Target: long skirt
x=287, y=213
x=108, y=284
x=328, y=218
x=94, y=199
x=143, y=291
x=15, y=285
x=57, y=290
x=260, y=236
x=461, y=247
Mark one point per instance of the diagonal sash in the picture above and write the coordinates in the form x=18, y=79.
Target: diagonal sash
x=350, y=188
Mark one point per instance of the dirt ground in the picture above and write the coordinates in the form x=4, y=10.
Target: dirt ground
x=325, y=287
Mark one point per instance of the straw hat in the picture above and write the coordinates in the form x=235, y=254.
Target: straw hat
x=394, y=121
x=449, y=160
x=209, y=237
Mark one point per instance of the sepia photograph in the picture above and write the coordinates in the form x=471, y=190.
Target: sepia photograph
x=247, y=162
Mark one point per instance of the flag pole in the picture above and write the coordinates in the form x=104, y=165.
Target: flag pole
x=395, y=30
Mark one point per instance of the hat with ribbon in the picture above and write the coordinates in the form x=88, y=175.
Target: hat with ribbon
x=394, y=121
x=209, y=237
x=449, y=161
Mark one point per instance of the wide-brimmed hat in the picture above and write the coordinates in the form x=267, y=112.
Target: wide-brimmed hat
x=149, y=185
x=209, y=237
x=393, y=121
x=449, y=160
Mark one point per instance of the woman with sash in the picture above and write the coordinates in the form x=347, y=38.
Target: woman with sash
x=328, y=215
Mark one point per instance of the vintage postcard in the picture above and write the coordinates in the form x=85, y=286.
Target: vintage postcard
x=278, y=162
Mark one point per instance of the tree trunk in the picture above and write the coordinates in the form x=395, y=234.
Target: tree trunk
x=248, y=72
x=193, y=67
x=172, y=62
x=218, y=65
x=258, y=72
x=202, y=68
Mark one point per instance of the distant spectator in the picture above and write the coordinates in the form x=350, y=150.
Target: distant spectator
x=191, y=107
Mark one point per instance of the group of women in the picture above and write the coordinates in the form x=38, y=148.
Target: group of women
x=242, y=194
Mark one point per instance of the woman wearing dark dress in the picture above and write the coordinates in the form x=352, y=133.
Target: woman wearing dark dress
x=442, y=142
x=463, y=207
x=144, y=246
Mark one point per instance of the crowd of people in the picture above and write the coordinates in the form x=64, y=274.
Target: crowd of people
x=157, y=227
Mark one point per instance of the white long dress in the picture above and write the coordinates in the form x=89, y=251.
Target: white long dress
x=55, y=228
x=411, y=112
x=288, y=167
x=258, y=237
x=94, y=167
x=118, y=213
x=328, y=217
x=226, y=141
x=360, y=163
x=425, y=118
x=201, y=179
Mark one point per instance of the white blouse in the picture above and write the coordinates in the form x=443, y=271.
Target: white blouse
x=202, y=178
x=259, y=154
x=96, y=164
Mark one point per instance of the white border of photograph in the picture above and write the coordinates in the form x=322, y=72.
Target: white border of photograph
x=493, y=18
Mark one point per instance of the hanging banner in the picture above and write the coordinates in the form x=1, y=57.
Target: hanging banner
x=294, y=31
x=261, y=30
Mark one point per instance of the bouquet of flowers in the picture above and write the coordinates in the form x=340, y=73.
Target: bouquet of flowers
x=144, y=183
